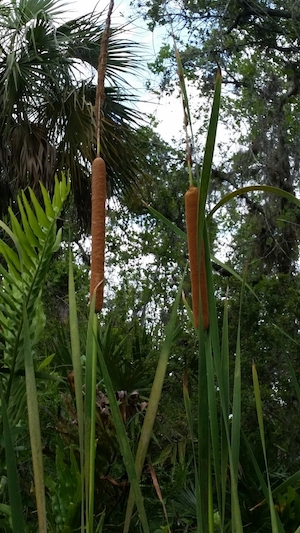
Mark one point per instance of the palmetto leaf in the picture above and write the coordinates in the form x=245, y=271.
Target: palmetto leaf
x=47, y=93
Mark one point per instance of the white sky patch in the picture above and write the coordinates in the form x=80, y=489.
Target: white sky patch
x=166, y=110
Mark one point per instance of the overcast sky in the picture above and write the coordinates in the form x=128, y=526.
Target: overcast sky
x=168, y=111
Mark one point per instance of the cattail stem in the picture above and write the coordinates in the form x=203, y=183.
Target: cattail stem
x=98, y=231
x=196, y=253
x=102, y=62
x=99, y=179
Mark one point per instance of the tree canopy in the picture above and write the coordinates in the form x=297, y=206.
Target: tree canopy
x=256, y=44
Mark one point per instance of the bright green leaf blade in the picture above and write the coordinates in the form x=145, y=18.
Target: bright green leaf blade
x=47, y=202
x=32, y=219
x=251, y=188
x=124, y=444
x=41, y=216
x=34, y=428
x=77, y=368
x=259, y=412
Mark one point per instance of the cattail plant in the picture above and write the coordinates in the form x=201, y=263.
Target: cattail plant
x=99, y=180
x=195, y=240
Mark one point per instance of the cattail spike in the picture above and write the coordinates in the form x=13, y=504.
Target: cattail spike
x=98, y=231
x=198, y=275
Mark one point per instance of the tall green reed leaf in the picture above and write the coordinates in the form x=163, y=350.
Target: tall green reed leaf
x=258, y=403
x=224, y=370
x=77, y=369
x=221, y=368
x=34, y=428
x=290, y=481
x=90, y=414
x=236, y=416
x=206, y=398
x=253, y=188
x=190, y=421
x=124, y=443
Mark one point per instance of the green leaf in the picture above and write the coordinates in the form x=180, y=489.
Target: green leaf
x=27, y=229
x=77, y=368
x=123, y=443
x=263, y=443
x=37, y=230
x=41, y=216
x=47, y=202
x=34, y=428
x=251, y=188
x=46, y=362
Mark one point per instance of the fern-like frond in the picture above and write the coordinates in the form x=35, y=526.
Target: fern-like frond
x=33, y=239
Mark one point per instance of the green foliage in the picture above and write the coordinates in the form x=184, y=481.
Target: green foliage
x=254, y=45
x=64, y=493
x=35, y=239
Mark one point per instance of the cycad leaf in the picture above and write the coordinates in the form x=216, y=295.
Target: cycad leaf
x=28, y=231
x=47, y=202
x=27, y=250
x=32, y=219
x=42, y=218
x=10, y=256
x=26, y=270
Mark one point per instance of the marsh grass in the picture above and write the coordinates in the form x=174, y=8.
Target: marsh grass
x=216, y=437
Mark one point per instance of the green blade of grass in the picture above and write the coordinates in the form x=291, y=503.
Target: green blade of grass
x=224, y=365
x=124, y=443
x=251, y=188
x=34, y=428
x=236, y=402
x=90, y=414
x=214, y=430
x=76, y=361
x=222, y=383
x=259, y=412
x=292, y=480
x=188, y=410
x=181, y=234
x=206, y=399
x=209, y=151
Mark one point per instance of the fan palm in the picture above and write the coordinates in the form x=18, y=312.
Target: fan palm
x=47, y=93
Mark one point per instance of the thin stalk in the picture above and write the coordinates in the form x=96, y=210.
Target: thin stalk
x=100, y=93
x=90, y=415
x=34, y=428
x=76, y=361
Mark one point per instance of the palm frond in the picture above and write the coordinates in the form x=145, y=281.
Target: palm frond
x=47, y=95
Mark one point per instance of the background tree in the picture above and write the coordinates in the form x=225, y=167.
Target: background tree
x=256, y=44
x=47, y=92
